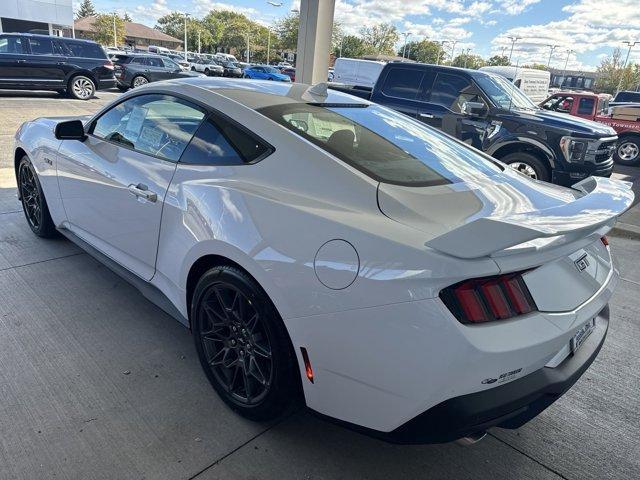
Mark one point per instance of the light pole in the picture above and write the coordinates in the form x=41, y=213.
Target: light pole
x=276, y=5
x=404, y=49
x=631, y=44
x=199, y=43
x=453, y=49
x=513, y=42
x=440, y=50
x=551, y=49
x=115, y=35
x=566, y=62
x=248, y=57
x=186, y=16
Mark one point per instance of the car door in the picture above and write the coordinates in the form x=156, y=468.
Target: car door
x=259, y=73
x=443, y=108
x=13, y=58
x=113, y=183
x=155, y=69
x=403, y=88
x=172, y=69
x=46, y=66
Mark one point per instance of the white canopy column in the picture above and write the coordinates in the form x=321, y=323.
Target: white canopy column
x=314, y=40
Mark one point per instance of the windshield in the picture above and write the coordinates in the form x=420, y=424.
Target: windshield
x=503, y=93
x=388, y=146
x=270, y=69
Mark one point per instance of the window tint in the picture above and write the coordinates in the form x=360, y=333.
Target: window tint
x=10, y=44
x=403, y=83
x=170, y=64
x=84, y=49
x=448, y=91
x=585, y=106
x=155, y=62
x=218, y=142
x=384, y=144
x=41, y=46
x=158, y=125
x=138, y=60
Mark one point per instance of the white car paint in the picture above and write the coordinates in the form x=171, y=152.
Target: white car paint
x=354, y=71
x=353, y=266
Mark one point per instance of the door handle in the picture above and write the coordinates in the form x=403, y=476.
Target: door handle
x=425, y=115
x=142, y=191
x=61, y=63
x=20, y=61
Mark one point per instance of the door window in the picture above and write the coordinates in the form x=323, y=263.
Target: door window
x=158, y=125
x=41, y=46
x=155, y=62
x=585, y=106
x=10, y=44
x=138, y=60
x=403, y=83
x=83, y=49
x=220, y=142
x=451, y=91
x=170, y=64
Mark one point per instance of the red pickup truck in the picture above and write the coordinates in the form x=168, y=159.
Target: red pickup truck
x=625, y=119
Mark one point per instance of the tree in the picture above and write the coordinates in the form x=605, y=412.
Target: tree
x=352, y=47
x=127, y=17
x=103, y=29
x=424, y=51
x=236, y=31
x=537, y=66
x=173, y=24
x=498, y=61
x=612, y=74
x=287, y=31
x=86, y=9
x=381, y=38
x=466, y=60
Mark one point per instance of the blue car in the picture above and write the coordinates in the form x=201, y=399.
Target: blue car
x=265, y=72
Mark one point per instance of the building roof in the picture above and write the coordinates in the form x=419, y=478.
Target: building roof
x=131, y=29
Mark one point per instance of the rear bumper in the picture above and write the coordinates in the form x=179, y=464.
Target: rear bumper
x=506, y=406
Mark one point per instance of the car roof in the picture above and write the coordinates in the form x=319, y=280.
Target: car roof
x=39, y=35
x=256, y=94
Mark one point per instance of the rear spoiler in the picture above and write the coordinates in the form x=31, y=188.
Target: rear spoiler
x=603, y=200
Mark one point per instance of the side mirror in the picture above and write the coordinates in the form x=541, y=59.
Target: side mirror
x=70, y=130
x=473, y=109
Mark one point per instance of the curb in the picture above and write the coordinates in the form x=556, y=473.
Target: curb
x=625, y=230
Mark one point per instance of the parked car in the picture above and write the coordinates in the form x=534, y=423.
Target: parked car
x=134, y=70
x=625, y=120
x=265, y=72
x=231, y=70
x=290, y=71
x=159, y=50
x=326, y=248
x=534, y=83
x=491, y=114
x=184, y=65
x=65, y=65
x=354, y=71
x=225, y=57
x=625, y=97
x=208, y=67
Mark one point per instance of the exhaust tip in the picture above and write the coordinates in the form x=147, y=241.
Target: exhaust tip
x=471, y=439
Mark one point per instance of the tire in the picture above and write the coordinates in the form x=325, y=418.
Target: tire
x=139, y=81
x=81, y=87
x=528, y=165
x=247, y=358
x=193, y=69
x=628, y=151
x=34, y=204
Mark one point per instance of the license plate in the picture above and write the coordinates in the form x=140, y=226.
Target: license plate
x=582, y=334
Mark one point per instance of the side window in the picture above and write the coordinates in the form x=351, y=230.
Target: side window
x=41, y=46
x=450, y=91
x=219, y=142
x=84, y=49
x=59, y=48
x=159, y=125
x=137, y=60
x=585, y=106
x=170, y=64
x=155, y=62
x=403, y=83
x=10, y=44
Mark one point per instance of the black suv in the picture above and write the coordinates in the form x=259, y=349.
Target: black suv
x=491, y=114
x=65, y=65
x=134, y=69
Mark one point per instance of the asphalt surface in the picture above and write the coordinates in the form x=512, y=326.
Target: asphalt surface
x=97, y=383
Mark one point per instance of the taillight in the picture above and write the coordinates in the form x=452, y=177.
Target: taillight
x=108, y=65
x=480, y=300
x=604, y=240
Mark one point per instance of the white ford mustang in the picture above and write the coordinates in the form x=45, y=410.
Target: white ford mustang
x=326, y=248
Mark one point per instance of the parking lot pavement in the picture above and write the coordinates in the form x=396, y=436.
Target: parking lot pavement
x=97, y=383
x=631, y=219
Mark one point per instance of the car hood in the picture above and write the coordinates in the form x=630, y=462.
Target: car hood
x=190, y=74
x=576, y=125
x=489, y=214
x=280, y=76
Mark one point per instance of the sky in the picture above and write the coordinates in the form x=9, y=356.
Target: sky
x=584, y=31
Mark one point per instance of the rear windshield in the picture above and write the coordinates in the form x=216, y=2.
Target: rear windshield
x=386, y=145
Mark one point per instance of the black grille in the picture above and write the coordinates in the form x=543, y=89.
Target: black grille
x=605, y=150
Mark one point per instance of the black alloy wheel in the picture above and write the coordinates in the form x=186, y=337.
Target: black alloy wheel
x=34, y=204
x=243, y=345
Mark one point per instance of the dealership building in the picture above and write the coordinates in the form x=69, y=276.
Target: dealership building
x=50, y=17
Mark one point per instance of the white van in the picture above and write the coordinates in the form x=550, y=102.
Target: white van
x=534, y=83
x=353, y=71
x=159, y=50
x=225, y=57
